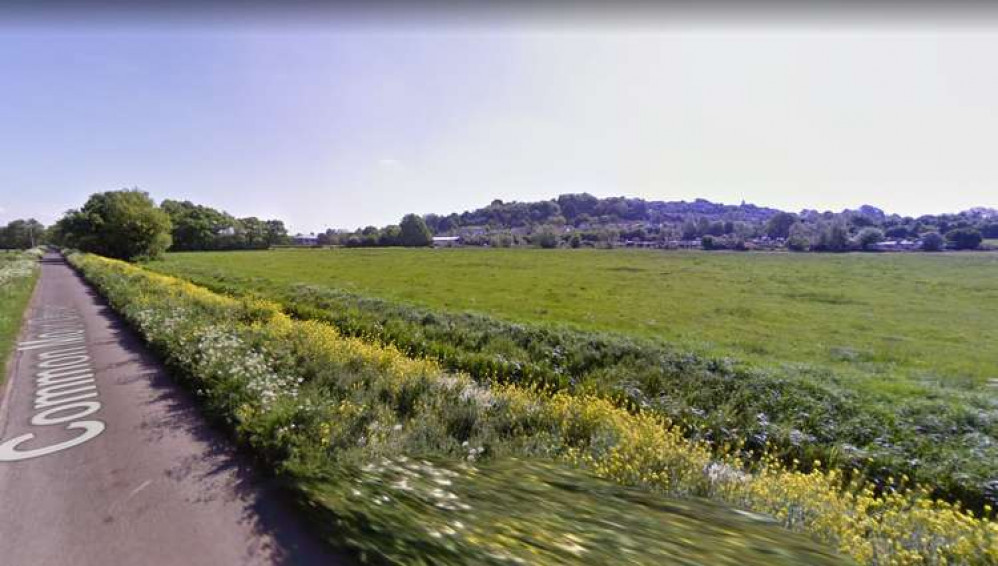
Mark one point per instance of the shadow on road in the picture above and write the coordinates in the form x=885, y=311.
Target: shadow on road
x=219, y=470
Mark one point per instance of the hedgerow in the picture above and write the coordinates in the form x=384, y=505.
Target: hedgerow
x=948, y=441
x=333, y=411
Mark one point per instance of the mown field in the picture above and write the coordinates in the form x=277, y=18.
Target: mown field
x=406, y=461
x=17, y=279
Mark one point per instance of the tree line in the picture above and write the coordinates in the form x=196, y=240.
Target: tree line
x=128, y=224
x=574, y=220
x=22, y=234
x=412, y=231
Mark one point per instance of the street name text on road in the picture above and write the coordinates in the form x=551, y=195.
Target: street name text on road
x=65, y=388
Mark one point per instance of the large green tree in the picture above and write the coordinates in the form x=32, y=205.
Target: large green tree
x=964, y=238
x=779, y=225
x=21, y=234
x=414, y=232
x=124, y=224
x=867, y=237
x=197, y=227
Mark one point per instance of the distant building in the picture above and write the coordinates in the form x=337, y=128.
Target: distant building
x=896, y=246
x=303, y=240
x=446, y=241
x=641, y=244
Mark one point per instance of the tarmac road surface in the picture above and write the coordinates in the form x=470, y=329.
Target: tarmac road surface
x=105, y=461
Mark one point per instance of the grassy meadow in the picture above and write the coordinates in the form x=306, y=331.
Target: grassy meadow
x=17, y=279
x=870, y=363
x=920, y=317
x=406, y=461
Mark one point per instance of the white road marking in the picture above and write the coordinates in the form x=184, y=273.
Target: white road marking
x=63, y=380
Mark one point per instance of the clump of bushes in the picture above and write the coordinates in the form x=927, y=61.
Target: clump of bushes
x=933, y=242
x=964, y=238
x=314, y=404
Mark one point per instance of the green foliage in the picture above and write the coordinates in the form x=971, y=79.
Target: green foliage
x=406, y=464
x=21, y=234
x=833, y=237
x=799, y=239
x=933, y=242
x=541, y=510
x=638, y=219
x=869, y=398
x=17, y=278
x=779, y=225
x=124, y=224
x=964, y=238
x=867, y=237
x=390, y=236
x=414, y=232
x=545, y=238
x=197, y=227
x=896, y=232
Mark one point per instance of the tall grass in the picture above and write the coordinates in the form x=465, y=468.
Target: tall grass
x=312, y=402
x=18, y=272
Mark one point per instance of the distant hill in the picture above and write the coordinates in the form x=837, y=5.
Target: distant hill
x=585, y=210
x=583, y=220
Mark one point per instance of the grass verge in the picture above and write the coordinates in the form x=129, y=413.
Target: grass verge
x=316, y=406
x=18, y=273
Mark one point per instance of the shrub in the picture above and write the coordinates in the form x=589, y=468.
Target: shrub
x=833, y=237
x=964, y=238
x=710, y=243
x=867, y=237
x=932, y=242
x=798, y=243
x=545, y=238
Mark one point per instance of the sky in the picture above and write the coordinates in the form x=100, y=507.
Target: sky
x=344, y=122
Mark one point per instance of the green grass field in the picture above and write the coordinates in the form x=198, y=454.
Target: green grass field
x=923, y=317
x=408, y=462
x=865, y=361
x=17, y=279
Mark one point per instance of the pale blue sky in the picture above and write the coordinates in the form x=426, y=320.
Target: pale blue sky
x=328, y=126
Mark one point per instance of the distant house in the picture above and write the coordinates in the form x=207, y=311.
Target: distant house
x=641, y=244
x=896, y=246
x=446, y=241
x=227, y=231
x=303, y=240
x=472, y=231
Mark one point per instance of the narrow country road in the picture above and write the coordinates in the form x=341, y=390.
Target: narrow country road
x=104, y=461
